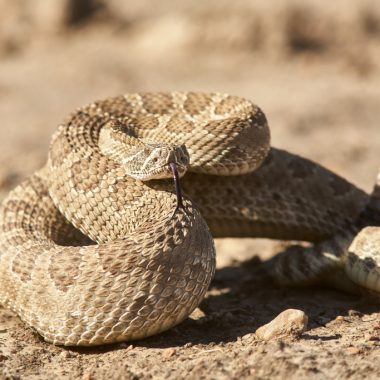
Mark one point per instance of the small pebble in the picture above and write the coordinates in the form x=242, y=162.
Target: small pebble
x=65, y=355
x=352, y=350
x=197, y=314
x=290, y=322
x=126, y=346
x=169, y=352
x=339, y=318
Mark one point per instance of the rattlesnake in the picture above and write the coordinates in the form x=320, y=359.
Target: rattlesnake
x=97, y=247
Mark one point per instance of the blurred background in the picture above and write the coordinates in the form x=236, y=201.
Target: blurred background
x=312, y=66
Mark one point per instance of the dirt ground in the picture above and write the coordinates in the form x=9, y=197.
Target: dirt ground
x=312, y=66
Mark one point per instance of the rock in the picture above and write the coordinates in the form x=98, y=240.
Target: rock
x=65, y=355
x=353, y=350
x=126, y=346
x=197, y=314
x=169, y=352
x=290, y=322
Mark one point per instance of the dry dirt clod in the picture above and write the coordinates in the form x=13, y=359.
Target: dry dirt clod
x=290, y=322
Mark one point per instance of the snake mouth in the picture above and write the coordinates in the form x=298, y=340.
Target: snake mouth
x=166, y=171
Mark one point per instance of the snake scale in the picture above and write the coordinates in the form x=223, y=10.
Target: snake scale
x=99, y=246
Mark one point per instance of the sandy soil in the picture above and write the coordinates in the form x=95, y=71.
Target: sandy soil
x=315, y=72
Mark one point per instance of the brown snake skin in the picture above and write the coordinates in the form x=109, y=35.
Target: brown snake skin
x=89, y=255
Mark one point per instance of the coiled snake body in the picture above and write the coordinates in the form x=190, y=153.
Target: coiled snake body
x=94, y=250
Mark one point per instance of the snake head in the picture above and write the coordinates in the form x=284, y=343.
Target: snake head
x=152, y=161
x=140, y=159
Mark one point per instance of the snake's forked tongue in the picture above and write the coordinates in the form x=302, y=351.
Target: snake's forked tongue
x=177, y=186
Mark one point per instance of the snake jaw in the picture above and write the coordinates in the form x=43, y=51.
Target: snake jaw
x=177, y=187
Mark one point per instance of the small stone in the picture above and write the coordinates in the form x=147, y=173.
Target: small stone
x=376, y=327
x=352, y=350
x=169, y=352
x=65, y=355
x=339, y=318
x=290, y=322
x=197, y=314
x=126, y=346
